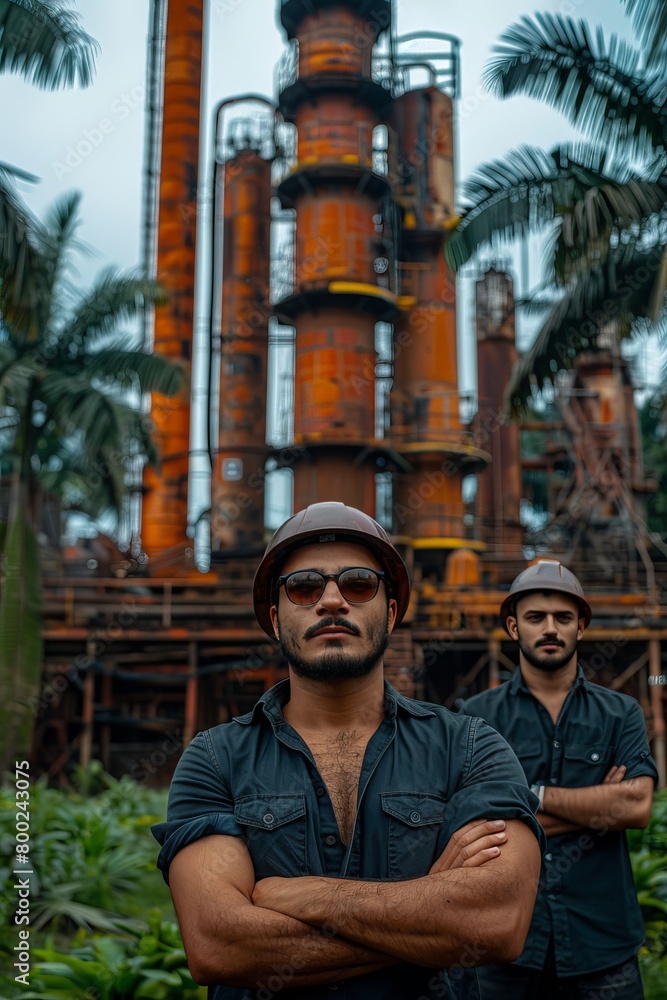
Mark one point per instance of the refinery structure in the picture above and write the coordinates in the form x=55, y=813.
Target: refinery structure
x=332, y=201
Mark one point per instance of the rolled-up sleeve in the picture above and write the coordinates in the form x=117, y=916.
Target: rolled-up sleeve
x=633, y=750
x=494, y=785
x=200, y=803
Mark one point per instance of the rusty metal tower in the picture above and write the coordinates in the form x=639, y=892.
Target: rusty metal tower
x=426, y=427
x=327, y=90
x=499, y=485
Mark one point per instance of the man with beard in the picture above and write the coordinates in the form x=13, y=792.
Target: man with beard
x=341, y=840
x=585, y=753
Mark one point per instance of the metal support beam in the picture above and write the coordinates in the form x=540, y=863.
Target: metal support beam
x=657, y=711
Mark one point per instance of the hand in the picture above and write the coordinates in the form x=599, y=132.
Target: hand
x=473, y=845
x=615, y=775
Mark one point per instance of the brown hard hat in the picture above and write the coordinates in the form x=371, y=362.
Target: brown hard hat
x=328, y=522
x=546, y=574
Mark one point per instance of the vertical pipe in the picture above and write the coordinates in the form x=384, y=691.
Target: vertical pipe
x=165, y=503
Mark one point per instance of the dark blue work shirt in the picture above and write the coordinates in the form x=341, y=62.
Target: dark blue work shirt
x=587, y=899
x=426, y=772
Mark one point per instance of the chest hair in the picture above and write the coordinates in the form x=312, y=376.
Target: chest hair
x=339, y=758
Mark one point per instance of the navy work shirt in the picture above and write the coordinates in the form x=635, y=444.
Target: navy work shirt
x=587, y=898
x=426, y=772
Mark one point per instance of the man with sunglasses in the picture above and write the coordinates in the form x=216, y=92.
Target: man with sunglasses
x=341, y=840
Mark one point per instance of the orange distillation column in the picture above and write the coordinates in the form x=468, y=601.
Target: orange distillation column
x=426, y=427
x=164, y=512
x=237, y=488
x=327, y=91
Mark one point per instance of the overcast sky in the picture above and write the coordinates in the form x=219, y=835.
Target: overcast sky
x=244, y=44
x=43, y=130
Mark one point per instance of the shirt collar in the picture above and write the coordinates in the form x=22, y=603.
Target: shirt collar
x=517, y=683
x=270, y=705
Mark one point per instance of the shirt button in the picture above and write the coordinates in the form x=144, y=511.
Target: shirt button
x=319, y=790
x=415, y=817
x=556, y=744
x=548, y=857
x=330, y=841
x=269, y=819
x=595, y=756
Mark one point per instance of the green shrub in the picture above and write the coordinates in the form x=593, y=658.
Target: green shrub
x=93, y=859
x=146, y=965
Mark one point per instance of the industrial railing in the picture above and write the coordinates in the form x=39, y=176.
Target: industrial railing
x=364, y=149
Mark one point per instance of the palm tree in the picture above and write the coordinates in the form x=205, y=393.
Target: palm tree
x=68, y=430
x=44, y=42
x=601, y=202
x=41, y=40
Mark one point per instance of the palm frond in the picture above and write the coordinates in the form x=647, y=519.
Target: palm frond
x=56, y=243
x=79, y=409
x=106, y=429
x=116, y=297
x=132, y=369
x=18, y=173
x=96, y=490
x=529, y=189
x=21, y=279
x=649, y=19
x=43, y=41
x=613, y=297
x=600, y=87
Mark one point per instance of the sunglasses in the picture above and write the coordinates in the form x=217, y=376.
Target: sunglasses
x=356, y=585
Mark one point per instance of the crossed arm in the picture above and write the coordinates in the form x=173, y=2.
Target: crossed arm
x=318, y=930
x=617, y=804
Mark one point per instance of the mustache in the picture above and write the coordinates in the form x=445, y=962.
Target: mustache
x=551, y=642
x=328, y=622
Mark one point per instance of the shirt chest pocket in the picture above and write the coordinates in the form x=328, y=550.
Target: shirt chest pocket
x=275, y=830
x=586, y=763
x=415, y=820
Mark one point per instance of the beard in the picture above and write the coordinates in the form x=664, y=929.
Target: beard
x=335, y=661
x=549, y=662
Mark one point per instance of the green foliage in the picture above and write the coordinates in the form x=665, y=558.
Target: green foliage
x=648, y=853
x=145, y=965
x=94, y=863
x=93, y=859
